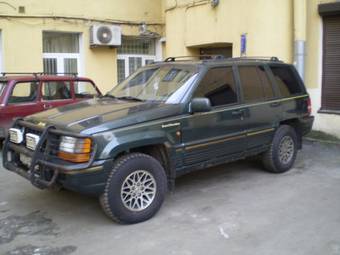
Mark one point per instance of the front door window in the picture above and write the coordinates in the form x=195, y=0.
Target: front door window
x=24, y=92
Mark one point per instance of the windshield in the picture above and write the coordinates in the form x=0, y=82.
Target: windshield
x=2, y=87
x=165, y=83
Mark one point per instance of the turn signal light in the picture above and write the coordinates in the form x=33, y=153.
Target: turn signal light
x=77, y=150
x=76, y=158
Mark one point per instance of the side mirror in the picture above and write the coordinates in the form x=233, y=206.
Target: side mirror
x=200, y=104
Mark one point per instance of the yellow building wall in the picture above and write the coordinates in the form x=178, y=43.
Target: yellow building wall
x=329, y=123
x=22, y=33
x=267, y=23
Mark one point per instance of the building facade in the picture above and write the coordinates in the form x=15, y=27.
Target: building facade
x=54, y=36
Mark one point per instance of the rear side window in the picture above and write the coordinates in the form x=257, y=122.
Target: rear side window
x=286, y=80
x=24, y=92
x=255, y=83
x=56, y=90
x=219, y=86
x=2, y=87
x=84, y=89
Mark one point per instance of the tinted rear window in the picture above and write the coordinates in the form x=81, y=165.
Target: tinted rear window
x=255, y=83
x=286, y=80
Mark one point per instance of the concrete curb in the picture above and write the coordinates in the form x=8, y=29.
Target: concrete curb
x=320, y=140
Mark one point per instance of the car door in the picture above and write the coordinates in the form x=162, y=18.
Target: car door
x=23, y=100
x=217, y=134
x=262, y=109
x=56, y=93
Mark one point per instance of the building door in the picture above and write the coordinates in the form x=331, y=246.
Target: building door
x=227, y=52
x=134, y=53
x=331, y=64
x=61, y=53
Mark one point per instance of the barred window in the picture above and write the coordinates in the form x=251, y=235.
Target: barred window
x=134, y=45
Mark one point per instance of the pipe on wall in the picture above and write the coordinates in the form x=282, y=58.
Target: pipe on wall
x=300, y=19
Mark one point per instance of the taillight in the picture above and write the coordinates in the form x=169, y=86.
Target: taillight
x=309, y=106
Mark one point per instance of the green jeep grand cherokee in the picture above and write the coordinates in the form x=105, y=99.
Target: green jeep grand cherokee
x=165, y=120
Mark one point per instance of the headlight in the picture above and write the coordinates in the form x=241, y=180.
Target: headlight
x=16, y=135
x=76, y=150
x=32, y=141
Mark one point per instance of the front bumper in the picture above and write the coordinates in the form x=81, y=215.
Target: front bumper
x=3, y=132
x=46, y=171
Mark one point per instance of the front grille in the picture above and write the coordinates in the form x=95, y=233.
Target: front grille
x=53, y=144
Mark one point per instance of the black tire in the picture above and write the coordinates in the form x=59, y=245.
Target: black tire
x=126, y=166
x=271, y=159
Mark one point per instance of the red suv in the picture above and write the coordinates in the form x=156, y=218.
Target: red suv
x=22, y=94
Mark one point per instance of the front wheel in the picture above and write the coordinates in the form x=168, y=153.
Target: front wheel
x=282, y=152
x=135, y=189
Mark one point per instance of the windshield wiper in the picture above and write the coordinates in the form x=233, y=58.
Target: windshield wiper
x=131, y=98
x=108, y=95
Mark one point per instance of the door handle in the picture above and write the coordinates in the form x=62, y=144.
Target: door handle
x=47, y=106
x=237, y=112
x=275, y=104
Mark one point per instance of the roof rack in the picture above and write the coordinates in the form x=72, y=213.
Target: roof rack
x=272, y=59
x=201, y=57
x=221, y=57
x=36, y=73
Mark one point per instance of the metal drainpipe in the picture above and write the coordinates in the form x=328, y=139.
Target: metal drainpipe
x=300, y=36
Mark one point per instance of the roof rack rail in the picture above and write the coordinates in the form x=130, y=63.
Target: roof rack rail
x=36, y=73
x=201, y=57
x=273, y=59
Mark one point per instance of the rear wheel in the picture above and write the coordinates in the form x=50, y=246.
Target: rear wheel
x=282, y=152
x=135, y=189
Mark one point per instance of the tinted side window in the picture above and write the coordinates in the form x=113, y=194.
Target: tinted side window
x=24, y=92
x=219, y=86
x=286, y=80
x=255, y=83
x=266, y=84
x=56, y=90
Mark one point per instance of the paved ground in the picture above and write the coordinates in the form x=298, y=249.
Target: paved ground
x=231, y=209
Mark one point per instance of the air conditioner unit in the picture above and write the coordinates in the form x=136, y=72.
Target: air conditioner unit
x=105, y=35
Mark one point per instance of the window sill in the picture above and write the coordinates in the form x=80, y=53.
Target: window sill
x=324, y=111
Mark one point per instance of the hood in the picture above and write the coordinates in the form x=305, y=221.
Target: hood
x=98, y=115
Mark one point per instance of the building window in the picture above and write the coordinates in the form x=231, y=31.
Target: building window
x=134, y=53
x=61, y=52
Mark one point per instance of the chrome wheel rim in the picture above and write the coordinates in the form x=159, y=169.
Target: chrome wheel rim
x=138, y=190
x=286, y=149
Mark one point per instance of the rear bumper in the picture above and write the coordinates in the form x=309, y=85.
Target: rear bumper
x=306, y=124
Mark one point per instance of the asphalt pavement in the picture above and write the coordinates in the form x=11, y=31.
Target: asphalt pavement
x=235, y=208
